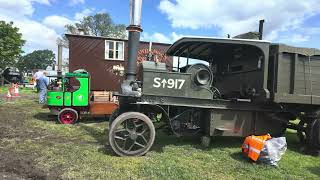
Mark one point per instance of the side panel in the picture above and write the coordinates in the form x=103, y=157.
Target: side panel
x=81, y=96
x=242, y=123
x=231, y=123
x=172, y=84
x=55, y=98
x=297, y=76
x=67, y=99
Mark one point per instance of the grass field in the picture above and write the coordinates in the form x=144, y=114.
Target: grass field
x=33, y=145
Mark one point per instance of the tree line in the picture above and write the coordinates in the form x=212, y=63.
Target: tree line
x=11, y=41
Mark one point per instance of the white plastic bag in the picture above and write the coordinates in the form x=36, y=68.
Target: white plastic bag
x=273, y=150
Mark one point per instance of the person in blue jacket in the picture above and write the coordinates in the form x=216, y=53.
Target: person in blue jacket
x=43, y=86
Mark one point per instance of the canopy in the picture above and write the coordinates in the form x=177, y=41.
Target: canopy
x=205, y=48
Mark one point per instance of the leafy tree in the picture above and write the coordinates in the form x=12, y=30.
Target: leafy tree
x=38, y=59
x=10, y=44
x=100, y=24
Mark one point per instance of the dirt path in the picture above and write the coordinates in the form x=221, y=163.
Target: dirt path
x=19, y=165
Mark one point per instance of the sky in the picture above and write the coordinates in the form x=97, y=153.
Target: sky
x=294, y=22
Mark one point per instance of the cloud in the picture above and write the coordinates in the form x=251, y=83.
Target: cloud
x=18, y=8
x=56, y=22
x=159, y=37
x=59, y=22
x=86, y=12
x=46, y=2
x=76, y=2
x=239, y=16
x=38, y=34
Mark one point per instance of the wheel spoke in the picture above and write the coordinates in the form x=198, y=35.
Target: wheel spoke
x=141, y=133
x=124, y=144
x=131, y=146
x=139, y=144
x=120, y=130
x=144, y=139
x=126, y=127
x=121, y=138
x=138, y=125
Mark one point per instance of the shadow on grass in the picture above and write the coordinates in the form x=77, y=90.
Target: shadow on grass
x=100, y=136
x=162, y=140
x=314, y=170
x=42, y=116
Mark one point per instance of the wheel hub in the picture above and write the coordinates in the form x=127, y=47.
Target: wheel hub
x=133, y=135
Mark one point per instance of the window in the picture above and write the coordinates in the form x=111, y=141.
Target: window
x=114, y=50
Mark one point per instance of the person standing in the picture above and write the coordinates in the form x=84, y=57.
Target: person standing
x=36, y=77
x=43, y=83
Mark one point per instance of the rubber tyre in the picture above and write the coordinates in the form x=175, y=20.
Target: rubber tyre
x=113, y=116
x=120, y=119
x=68, y=111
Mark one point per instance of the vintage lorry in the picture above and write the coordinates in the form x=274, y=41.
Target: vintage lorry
x=69, y=96
x=241, y=87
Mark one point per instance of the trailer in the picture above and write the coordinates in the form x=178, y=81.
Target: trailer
x=69, y=96
x=238, y=87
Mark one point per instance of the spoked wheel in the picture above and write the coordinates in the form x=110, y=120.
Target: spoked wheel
x=131, y=134
x=68, y=116
x=315, y=134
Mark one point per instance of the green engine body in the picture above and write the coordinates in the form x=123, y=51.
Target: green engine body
x=73, y=92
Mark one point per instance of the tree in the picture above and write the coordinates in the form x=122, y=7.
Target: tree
x=38, y=59
x=10, y=44
x=100, y=24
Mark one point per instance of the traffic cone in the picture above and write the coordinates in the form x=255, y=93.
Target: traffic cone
x=16, y=90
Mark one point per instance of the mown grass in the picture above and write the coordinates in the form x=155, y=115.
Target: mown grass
x=81, y=152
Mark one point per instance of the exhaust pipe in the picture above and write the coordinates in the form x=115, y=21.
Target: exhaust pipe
x=261, y=29
x=134, y=38
x=130, y=87
x=59, y=70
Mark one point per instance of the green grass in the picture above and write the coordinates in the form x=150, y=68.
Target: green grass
x=81, y=152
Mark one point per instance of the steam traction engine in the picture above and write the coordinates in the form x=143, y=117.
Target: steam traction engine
x=231, y=87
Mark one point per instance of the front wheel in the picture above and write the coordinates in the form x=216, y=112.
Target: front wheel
x=131, y=134
x=68, y=116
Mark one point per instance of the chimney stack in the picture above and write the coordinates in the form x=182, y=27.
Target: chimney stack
x=134, y=38
x=261, y=29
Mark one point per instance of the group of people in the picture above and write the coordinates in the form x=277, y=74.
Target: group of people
x=42, y=83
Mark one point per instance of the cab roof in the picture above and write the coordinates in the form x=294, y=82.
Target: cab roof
x=206, y=47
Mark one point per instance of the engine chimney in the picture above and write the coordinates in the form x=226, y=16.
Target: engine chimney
x=129, y=86
x=261, y=29
x=134, y=37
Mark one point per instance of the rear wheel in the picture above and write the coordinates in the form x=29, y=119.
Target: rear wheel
x=131, y=134
x=315, y=134
x=68, y=116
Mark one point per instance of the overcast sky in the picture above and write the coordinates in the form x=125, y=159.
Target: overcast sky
x=294, y=22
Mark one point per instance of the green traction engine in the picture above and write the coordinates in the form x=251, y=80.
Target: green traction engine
x=68, y=95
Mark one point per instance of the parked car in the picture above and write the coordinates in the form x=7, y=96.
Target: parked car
x=12, y=75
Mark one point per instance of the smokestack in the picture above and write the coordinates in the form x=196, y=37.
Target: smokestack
x=134, y=37
x=261, y=29
x=59, y=70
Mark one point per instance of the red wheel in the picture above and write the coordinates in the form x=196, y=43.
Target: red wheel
x=68, y=116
